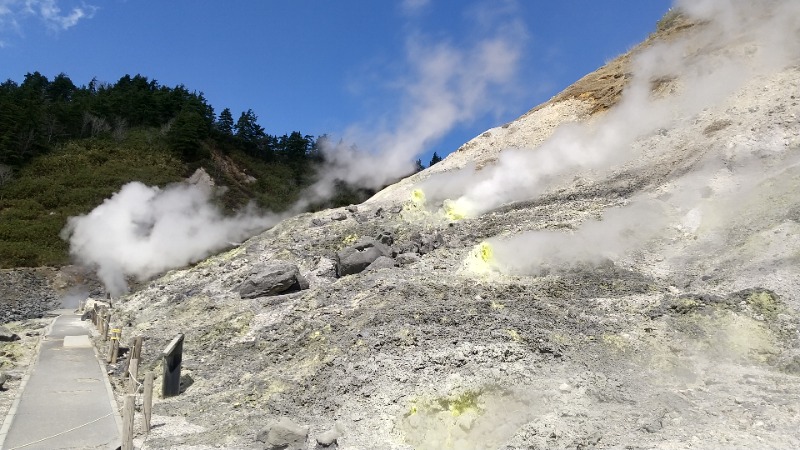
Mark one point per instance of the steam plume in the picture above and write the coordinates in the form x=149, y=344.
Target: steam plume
x=449, y=87
x=142, y=231
x=736, y=41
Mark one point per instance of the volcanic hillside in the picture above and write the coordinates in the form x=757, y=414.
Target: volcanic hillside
x=617, y=268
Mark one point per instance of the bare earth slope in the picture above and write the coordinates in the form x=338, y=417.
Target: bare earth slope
x=687, y=338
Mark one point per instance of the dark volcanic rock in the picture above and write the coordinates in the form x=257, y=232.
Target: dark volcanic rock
x=358, y=257
x=383, y=262
x=272, y=279
x=27, y=293
x=7, y=336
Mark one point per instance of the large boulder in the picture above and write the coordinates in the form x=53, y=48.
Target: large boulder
x=274, y=278
x=358, y=257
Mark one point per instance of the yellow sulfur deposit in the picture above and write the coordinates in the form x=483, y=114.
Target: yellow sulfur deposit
x=417, y=197
x=481, y=259
x=485, y=252
x=452, y=211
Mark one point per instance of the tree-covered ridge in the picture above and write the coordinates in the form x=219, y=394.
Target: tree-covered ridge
x=39, y=113
x=65, y=148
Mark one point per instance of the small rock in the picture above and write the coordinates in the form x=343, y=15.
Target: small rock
x=405, y=259
x=564, y=388
x=316, y=222
x=338, y=216
x=284, y=435
x=386, y=237
x=3, y=379
x=328, y=438
x=352, y=208
x=383, y=262
x=7, y=336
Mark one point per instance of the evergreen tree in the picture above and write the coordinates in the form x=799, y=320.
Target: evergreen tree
x=418, y=166
x=435, y=159
x=225, y=122
x=248, y=129
x=187, y=134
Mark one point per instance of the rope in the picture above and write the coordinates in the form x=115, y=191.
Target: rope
x=138, y=385
x=62, y=433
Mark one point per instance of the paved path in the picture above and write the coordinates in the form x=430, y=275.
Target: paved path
x=66, y=398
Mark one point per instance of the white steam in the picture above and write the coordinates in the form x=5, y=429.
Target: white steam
x=142, y=231
x=448, y=87
x=739, y=40
x=736, y=41
x=619, y=231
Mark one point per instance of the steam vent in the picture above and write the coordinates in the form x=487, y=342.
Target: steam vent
x=619, y=267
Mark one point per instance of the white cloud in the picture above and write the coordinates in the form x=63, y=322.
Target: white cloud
x=50, y=12
x=56, y=15
x=413, y=6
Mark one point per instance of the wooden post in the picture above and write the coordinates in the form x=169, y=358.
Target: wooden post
x=173, y=355
x=127, y=423
x=137, y=347
x=147, y=405
x=101, y=319
x=114, y=351
x=106, y=326
x=133, y=372
x=111, y=346
x=128, y=357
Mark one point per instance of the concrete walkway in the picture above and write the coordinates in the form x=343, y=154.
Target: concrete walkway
x=66, y=400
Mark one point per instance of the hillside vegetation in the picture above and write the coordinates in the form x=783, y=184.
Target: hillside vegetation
x=64, y=149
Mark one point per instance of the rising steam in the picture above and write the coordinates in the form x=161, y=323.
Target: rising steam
x=142, y=231
x=735, y=41
x=448, y=87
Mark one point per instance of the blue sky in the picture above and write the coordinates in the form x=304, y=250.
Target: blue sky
x=345, y=68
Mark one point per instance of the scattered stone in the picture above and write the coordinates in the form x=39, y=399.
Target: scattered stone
x=405, y=259
x=338, y=216
x=386, y=237
x=316, y=222
x=7, y=336
x=326, y=267
x=284, y=435
x=356, y=258
x=273, y=279
x=352, y=208
x=3, y=379
x=383, y=262
x=328, y=439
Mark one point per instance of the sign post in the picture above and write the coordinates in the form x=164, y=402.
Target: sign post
x=173, y=355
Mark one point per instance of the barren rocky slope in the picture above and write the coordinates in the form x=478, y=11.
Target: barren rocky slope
x=685, y=338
